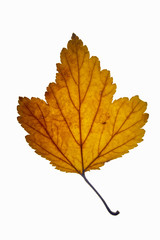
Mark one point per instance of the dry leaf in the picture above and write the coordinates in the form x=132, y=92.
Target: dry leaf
x=79, y=128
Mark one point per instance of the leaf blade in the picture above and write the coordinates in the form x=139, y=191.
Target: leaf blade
x=79, y=128
x=126, y=130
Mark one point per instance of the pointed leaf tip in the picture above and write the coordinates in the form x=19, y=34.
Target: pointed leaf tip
x=20, y=98
x=73, y=36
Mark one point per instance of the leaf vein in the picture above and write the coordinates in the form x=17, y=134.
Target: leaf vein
x=68, y=90
x=51, y=153
x=89, y=82
x=96, y=112
x=64, y=116
x=79, y=113
x=93, y=161
x=51, y=139
x=36, y=130
x=113, y=135
x=70, y=69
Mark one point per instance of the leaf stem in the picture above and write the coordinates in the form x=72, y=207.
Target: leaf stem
x=109, y=210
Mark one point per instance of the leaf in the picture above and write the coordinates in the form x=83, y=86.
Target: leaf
x=79, y=127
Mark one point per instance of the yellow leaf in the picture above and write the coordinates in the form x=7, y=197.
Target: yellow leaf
x=79, y=127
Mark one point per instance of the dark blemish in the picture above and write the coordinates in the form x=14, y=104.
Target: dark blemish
x=103, y=122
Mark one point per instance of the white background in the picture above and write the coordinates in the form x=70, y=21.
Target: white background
x=37, y=201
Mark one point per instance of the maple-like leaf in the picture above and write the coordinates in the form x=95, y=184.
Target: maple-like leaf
x=79, y=127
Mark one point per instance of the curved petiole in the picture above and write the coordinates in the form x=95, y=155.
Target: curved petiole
x=109, y=210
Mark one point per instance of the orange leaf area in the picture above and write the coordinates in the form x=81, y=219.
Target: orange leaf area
x=80, y=127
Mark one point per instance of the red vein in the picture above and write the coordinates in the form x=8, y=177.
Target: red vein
x=58, y=120
x=129, y=127
x=68, y=90
x=117, y=117
x=70, y=163
x=128, y=117
x=42, y=115
x=89, y=82
x=117, y=147
x=79, y=113
x=82, y=60
x=108, y=153
x=139, y=108
x=100, y=138
x=48, y=151
x=113, y=135
x=56, y=134
x=70, y=69
x=63, y=116
x=99, y=163
x=36, y=130
x=96, y=112
x=51, y=154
